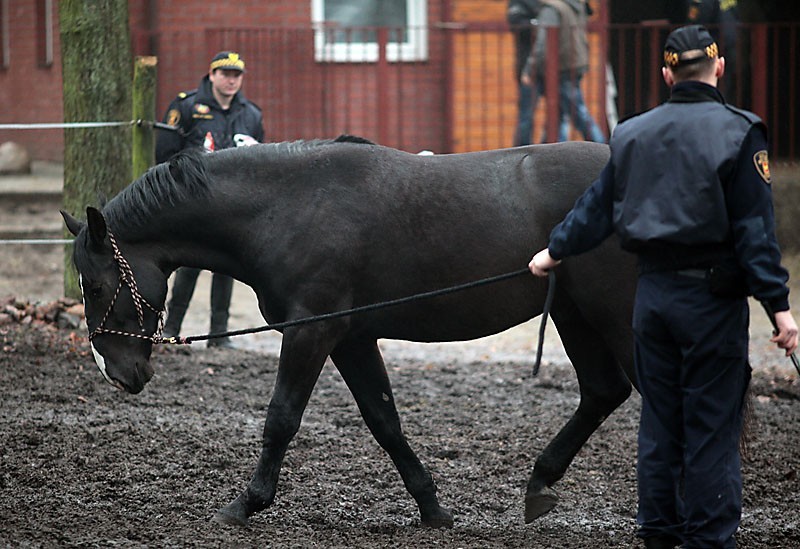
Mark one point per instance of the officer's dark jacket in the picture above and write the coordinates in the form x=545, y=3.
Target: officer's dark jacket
x=683, y=189
x=197, y=112
x=519, y=15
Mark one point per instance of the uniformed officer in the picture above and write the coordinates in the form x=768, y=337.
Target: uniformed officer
x=215, y=116
x=687, y=189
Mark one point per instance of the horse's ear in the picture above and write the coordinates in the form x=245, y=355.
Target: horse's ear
x=97, y=226
x=73, y=225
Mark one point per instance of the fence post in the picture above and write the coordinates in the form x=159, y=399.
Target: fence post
x=383, y=86
x=551, y=84
x=655, y=64
x=758, y=56
x=144, y=108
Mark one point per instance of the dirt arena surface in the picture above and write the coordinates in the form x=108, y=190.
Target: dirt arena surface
x=82, y=464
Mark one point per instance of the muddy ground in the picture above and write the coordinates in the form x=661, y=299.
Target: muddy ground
x=82, y=464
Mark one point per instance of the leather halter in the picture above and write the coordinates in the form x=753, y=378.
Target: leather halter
x=126, y=278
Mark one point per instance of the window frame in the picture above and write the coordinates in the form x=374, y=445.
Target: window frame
x=413, y=49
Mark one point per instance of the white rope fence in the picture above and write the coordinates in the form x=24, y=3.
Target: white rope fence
x=72, y=125
x=36, y=241
x=60, y=125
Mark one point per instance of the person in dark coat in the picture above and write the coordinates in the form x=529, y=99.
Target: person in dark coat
x=214, y=116
x=687, y=189
x=571, y=18
x=521, y=17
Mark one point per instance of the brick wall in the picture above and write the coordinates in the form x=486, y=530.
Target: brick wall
x=30, y=92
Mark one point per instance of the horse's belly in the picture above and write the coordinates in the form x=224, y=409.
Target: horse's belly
x=456, y=318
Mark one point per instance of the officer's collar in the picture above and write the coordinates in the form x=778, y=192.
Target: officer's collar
x=692, y=91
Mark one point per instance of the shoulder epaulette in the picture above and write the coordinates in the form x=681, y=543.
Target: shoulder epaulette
x=751, y=117
x=184, y=95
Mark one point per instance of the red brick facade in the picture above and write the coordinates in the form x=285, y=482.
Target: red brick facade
x=301, y=98
x=460, y=97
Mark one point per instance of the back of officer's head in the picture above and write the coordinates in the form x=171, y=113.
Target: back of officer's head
x=691, y=53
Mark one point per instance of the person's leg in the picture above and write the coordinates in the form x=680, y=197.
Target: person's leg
x=182, y=290
x=658, y=363
x=525, y=104
x=573, y=106
x=715, y=378
x=221, y=292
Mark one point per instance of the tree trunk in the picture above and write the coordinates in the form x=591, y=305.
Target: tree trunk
x=97, y=73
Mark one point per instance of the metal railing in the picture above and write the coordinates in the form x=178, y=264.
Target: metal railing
x=457, y=92
x=460, y=94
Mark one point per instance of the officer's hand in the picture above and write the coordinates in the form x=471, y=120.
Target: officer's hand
x=786, y=338
x=542, y=262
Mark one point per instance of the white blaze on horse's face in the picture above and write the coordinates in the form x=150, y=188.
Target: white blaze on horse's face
x=98, y=358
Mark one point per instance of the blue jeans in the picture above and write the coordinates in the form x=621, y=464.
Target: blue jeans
x=572, y=106
x=526, y=104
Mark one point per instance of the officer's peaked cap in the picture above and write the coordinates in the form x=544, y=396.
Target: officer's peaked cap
x=228, y=60
x=689, y=44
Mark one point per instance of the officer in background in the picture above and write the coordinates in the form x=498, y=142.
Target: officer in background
x=687, y=189
x=215, y=116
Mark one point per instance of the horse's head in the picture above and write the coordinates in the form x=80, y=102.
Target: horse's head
x=123, y=297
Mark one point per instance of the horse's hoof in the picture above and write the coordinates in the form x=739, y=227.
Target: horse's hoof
x=438, y=518
x=232, y=514
x=539, y=503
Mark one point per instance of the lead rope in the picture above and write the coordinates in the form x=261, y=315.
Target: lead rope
x=126, y=277
x=548, y=304
x=178, y=340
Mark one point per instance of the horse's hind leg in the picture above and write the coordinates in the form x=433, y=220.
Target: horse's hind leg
x=303, y=354
x=362, y=368
x=603, y=387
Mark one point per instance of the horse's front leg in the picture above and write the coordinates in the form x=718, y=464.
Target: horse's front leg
x=362, y=368
x=303, y=354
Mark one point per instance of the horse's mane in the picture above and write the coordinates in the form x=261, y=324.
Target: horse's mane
x=185, y=176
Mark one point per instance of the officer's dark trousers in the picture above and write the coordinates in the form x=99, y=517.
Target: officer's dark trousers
x=691, y=362
x=182, y=290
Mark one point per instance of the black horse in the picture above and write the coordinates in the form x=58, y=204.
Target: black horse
x=322, y=226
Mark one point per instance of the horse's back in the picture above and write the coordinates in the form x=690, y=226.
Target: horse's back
x=378, y=224
x=442, y=220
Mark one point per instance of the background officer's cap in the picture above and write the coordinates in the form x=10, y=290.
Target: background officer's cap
x=227, y=60
x=689, y=44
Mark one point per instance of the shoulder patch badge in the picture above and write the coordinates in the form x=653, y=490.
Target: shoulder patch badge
x=761, y=160
x=173, y=117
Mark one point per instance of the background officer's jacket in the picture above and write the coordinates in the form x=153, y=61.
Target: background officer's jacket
x=196, y=113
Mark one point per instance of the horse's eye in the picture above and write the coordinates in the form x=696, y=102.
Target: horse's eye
x=96, y=290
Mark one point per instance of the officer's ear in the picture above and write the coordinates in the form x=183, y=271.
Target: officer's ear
x=669, y=78
x=719, y=70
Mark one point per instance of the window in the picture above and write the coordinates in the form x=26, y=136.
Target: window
x=44, y=32
x=5, y=51
x=347, y=30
